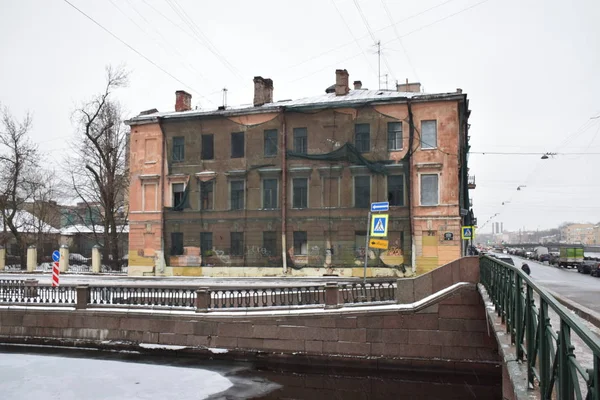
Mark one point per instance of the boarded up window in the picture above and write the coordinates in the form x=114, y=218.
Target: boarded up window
x=331, y=192
x=176, y=243
x=208, y=147
x=429, y=134
x=237, y=243
x=429, y=190
x=270, y=243
x=237, y=145
x=362, y=191
x=150, y=150
x=149, y=197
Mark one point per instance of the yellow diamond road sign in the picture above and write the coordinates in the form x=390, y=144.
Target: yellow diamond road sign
x=378, y=244
x=379, y=225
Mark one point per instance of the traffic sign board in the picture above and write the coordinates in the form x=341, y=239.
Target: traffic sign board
x=379, y=225
x=467, y=232
x=380, y=206
x=378, y=244
x=55, y=256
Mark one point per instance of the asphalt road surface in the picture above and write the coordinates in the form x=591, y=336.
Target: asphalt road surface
x=583, y=289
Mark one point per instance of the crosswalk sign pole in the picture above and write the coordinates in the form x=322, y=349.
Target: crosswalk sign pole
x=367, y=248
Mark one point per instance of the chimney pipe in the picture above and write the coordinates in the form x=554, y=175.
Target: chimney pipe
x=183, y=101
x=357, y=85
x=263, y=91
x=341, y=82
x=414, y=87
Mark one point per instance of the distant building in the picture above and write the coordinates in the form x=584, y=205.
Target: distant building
x=286, y=186
x=579, y=234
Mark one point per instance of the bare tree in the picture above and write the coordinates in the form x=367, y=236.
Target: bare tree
x=18, y=176
x=97, y=169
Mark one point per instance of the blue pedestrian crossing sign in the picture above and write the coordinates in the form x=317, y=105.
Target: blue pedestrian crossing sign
x=468, y=232
x=379, y=225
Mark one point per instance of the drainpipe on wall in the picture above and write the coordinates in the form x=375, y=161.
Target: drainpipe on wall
x=411, y=135
x=283, y=192
x=162, y=261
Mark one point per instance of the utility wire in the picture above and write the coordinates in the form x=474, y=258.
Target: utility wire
x=389, y=41
x=389, y=14
x=203, y=39
x=364, y=18
x=352, y=34
x=529, y=154
x=136, y=51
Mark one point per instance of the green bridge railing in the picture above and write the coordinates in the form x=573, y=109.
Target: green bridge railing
x=524, y=307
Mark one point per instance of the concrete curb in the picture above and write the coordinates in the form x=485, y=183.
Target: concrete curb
x=583, y=312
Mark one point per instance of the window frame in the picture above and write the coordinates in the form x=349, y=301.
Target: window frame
x=362, y=140
x=203, y=249
x=180, y=145
x=270, y=143
x=267, y=245
x=274, y=196
x=172, y=250
x=243, y=190
x=202, y=190
x=429, y=146
x=395, y=139
x=297, y=238
x=354, y=186
x=305, y=195
x=437, y=175
x=403, y=188
x=236, y=136
x=204, y=137
x=173, y=202
x=300, y=135
x=239, y=248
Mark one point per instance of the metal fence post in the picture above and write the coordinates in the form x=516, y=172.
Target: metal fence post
x=331, y=295
x=83, y=297
x=202, y=300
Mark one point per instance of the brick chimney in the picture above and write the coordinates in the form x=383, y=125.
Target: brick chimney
x=183, y=101
x=263, y=91
x=357, y=85
x=414, y=87
x=341, y=82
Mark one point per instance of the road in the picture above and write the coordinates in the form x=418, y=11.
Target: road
x=580, y=288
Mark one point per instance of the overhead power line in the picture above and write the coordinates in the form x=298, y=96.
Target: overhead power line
x=136, y=51
x=529, y=154
x=389, y=14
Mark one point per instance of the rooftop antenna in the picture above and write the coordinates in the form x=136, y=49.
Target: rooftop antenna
x=224, y=97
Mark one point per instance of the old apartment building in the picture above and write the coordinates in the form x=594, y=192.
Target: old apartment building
x=285, y=187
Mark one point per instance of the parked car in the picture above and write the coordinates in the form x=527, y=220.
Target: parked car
x=545, y=257
x=587, y=266
x=595, y=271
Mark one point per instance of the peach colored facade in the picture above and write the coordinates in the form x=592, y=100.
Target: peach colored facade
x=224, y=241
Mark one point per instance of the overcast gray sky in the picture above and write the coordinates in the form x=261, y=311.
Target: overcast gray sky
x=530, y=68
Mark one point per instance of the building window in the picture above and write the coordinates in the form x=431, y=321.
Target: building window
x=269, y=193
x=237, y=244
x=362, y=137
x=300, y=243
x=300, y=140
x=429, y=134
x=270, y=243
x=429, y=190
x=208, y=147
x=178, y=149
x=206, y=245
x=237, y=145
x=176, y=243
x=178, y=192
x=271, y=143
x=394, y=130
x=362, y=191
x=300, y=193
x=395, y=188
x=206, y=195
x=237, y=195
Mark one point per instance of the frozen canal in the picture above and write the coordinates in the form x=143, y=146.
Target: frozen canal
x=63, y=374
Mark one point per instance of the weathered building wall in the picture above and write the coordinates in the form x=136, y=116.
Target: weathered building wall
x=333, y=224
x=145, y=199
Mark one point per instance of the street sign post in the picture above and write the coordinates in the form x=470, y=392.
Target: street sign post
x=379, y=244
x=55, y=268
x=380, y=206
x=379, y=225
x=467, y=232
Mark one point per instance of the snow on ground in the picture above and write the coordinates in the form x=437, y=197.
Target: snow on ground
x=30, y=376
